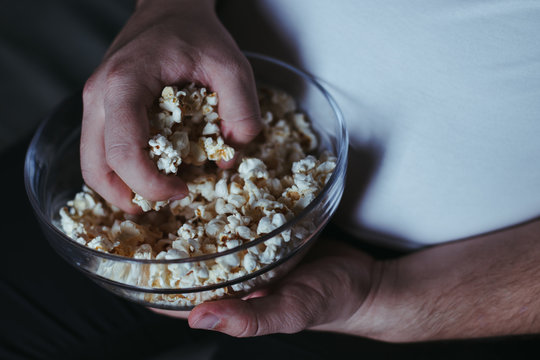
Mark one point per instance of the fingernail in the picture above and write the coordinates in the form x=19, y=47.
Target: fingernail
x=177, y=197
x=207, y=321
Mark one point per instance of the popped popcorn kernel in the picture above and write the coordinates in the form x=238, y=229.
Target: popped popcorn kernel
x=178, y=135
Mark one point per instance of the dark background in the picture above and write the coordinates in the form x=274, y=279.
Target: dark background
x=48, y=309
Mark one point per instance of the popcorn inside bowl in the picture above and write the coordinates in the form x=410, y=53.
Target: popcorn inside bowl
x=277, y=177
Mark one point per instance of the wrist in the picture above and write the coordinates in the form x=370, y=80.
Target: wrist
x=391, y=310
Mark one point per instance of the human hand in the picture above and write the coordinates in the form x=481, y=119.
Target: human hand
x=480, y=287
x=328, y=291
x=164, y=42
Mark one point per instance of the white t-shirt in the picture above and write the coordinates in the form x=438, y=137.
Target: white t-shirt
x=442, y=103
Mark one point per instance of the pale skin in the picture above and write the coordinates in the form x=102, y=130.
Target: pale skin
x=164, y=42
x=477, y=287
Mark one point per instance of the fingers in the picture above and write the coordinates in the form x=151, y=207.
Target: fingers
x=288, y=311
x=126, y=136
x=238, y=102
x=95, y=171
x=114, y=158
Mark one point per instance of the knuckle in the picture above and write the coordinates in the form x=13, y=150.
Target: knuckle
x=118, y=153
x=111, y=75
x=179, y=63
x=120, y=67
x=115, y=75
x=249, y=328
x=188, y=55
x=235, y=65
x=89, y=88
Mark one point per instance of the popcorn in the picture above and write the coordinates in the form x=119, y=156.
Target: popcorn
x=100, y=243
x=210, y=129
x=71, y=226
x=252, y=168
x=147, y=205
x=216, y=149
x=269, y=255
x=265, y=226
x=250, y=262
x=244, y=232
x=215, y=227
x=221, y=189
x=228, y=262
x=180, y=142
x=237, y=201
x=224, y=209
x=178, y=136
x=143, y=252
x=168, y=157
x=308, y=138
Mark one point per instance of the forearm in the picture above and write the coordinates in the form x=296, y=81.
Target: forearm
x=156, y=12
x=184, y=16
x=486, y=286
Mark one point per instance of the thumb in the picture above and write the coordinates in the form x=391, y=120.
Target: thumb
x=289, y=311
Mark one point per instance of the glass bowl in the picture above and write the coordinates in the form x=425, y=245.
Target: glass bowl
x=53, y=176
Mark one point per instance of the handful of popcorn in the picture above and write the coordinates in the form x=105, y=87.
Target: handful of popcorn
x=185, y=130
x=276, y=178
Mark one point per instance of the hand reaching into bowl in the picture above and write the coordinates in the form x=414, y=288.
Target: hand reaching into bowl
x=163, y=43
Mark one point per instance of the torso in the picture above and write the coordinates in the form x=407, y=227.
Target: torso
x=442, y=102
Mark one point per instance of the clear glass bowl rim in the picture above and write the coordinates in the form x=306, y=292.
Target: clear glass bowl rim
x=342, y=146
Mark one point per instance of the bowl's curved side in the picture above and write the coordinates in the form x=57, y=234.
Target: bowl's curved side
x=51, y=178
